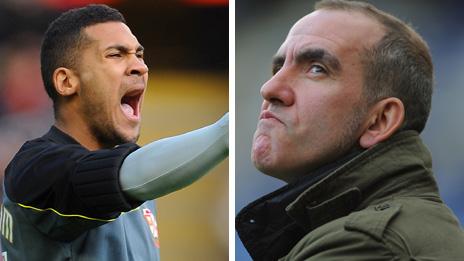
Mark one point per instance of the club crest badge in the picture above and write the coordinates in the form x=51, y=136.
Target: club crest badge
x=151, y=221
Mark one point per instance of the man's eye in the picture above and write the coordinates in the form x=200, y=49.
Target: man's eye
x=139, y=55
x=114, y=55
x=317, y=69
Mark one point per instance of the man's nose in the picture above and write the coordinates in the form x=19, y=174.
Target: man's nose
x=137, y=66
x=278, y=90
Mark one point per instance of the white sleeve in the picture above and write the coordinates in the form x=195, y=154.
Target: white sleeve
x=170, y=164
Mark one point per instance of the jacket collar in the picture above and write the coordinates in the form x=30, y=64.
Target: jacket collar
x=400, y=166
x=271, y=225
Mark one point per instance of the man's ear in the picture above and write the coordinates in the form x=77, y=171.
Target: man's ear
x=66, y=81
x=385, y=118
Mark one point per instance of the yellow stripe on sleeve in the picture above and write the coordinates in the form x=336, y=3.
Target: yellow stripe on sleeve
x=72, y=215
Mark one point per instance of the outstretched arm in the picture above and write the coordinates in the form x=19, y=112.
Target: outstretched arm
x=170, y=164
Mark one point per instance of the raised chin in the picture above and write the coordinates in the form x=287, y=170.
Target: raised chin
x=261, y=150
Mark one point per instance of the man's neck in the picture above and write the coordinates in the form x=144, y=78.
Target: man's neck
x=79, y=130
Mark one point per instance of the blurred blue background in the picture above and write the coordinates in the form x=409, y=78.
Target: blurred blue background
x=261, y=27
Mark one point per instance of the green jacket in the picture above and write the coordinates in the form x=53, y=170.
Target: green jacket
x=383, y=204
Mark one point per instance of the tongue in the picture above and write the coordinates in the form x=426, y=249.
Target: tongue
x=127, y=109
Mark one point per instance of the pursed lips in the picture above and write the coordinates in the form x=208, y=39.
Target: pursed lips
x=265, y=115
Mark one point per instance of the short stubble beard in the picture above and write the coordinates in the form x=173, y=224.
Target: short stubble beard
x=101, y=128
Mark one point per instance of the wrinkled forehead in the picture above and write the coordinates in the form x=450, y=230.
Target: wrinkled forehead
x=111, y=33
x=339, y=29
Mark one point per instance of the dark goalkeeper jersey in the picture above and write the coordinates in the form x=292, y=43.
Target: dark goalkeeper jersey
x=64, y=202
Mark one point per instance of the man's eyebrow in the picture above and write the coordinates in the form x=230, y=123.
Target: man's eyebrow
x=278, y=59
x=318, y=55
x=124, y=49
x=277, y=62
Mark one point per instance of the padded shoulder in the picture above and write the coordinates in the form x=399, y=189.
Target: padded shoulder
x=373, y=220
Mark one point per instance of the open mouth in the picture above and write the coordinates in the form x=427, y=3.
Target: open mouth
x=130, y=104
